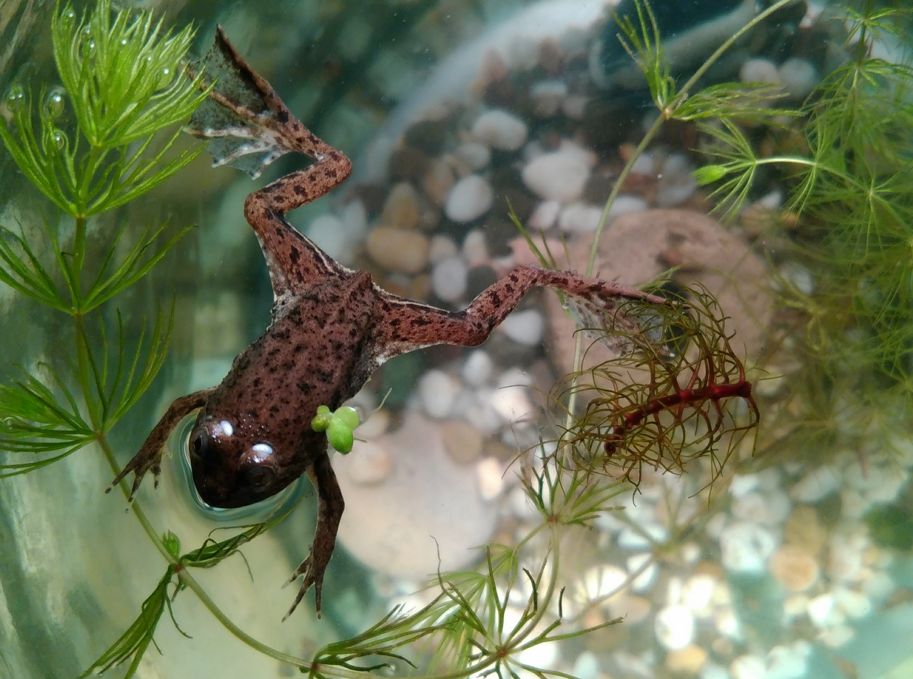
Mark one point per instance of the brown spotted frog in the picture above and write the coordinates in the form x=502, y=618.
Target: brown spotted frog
x=330, y=328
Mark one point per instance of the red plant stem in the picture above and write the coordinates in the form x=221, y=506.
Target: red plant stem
x=712, y=392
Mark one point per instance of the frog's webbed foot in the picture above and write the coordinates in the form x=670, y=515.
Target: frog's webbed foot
x=150, y=453
x=329, y=512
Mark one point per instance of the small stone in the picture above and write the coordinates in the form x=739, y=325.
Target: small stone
x=477, y=368
x=524, y=327
x=437, y=392
x=462, y=441
x=601, y=582
x=688, y=660
x=645, y=566
x=579, y=218
x=469, y=199
x=674, y=627
x=438, y=181
x=441, y=247
x=547, y=96
x=852, y=603
x=448, y=278
x=377, y=424
x=545, y=215
x=559, y=175
x=788, y=661
x=799, y=77
x=804, y=529
x=823, y=612
x=747, y=667
x=794, y=568
x=402, y=209
x=746, y=547
x=398, y=250
x=370, y=463
x=759, y=71
x=475, y=247
x=329, y=232
x=490, y=474
x=512, y=403
x=624, y=205
x=476, y=156
x=574, y=106
x=500, y=130
x=816, y=485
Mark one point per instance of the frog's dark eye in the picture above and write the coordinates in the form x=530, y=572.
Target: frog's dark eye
x=258, y=477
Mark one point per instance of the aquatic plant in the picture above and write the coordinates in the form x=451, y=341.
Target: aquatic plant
x=847, y=224
x=123, y=83
x=678, y=393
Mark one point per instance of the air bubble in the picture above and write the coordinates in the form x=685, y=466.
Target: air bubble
x=165, y=78
x=15, y=97
x=55, y=102
x=59, y=138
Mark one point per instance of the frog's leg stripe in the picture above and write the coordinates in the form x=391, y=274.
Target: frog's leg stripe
x=405, y=326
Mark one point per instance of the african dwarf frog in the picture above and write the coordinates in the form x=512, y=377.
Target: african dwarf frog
x=330, y=328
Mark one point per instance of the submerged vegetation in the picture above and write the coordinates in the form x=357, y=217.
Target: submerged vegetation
x=680, y=395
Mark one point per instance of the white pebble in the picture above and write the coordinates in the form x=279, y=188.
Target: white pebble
x=547, y=96
x=742, y=484
x=852, y=603
x=490, y=474
x=475, y=249
x=645, y=564
x=674, y=627
x=512, y=403
x=587, y=666
x=745, y=547
x=644, y=538
x=448, y=278
x=437, y=391
x=475, y=155
x=559, y=175
x=474, y=406
x=441, y=246
x=799, y=77
x=625, y=204
x=524, y=327
x=477, y=368
x=500, y=130
x=698, y=594
x=747, y=667
x=574, y=106
x=788, y=661
x=579, y=218
x=545, y=215
x=469, y=199
x=823, y=611
x=759, y=71
x=816, y=485
x=330, y=233
x=770, y=508
x=644, y=164
x=369, y=463
x=599, y=582
x=836, y=636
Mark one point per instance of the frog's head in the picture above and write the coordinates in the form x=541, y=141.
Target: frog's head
x=231, y=466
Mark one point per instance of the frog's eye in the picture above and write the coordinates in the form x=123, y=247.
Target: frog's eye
x=258, y=477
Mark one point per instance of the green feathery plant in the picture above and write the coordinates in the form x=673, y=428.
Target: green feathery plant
x=850, y=170
x=105, y=140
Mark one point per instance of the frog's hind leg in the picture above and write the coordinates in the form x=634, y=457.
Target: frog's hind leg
x=245, y=117
x=406, y=326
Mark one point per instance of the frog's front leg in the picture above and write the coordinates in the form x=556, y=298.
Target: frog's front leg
x=406, y=326
x=150, y=453
x=330, y=505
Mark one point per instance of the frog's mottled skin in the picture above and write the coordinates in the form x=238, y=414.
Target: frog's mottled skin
x=331, y=327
